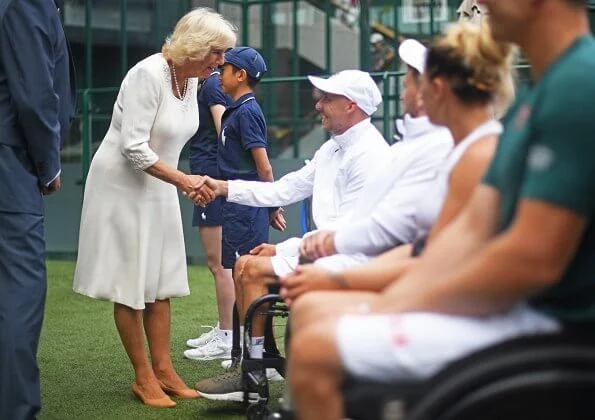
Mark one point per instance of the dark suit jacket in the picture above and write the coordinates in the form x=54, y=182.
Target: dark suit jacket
x=36, y=101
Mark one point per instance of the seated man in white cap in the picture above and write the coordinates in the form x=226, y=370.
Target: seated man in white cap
x=332, y=179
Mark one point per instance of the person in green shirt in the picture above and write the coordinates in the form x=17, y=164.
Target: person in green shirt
x=520, y=258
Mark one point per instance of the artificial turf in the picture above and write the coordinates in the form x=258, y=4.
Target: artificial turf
x=85, y=373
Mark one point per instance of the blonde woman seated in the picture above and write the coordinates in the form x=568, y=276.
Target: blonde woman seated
x=465, y=75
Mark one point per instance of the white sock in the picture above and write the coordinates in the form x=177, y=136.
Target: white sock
x=225, y=336
x=256, y=347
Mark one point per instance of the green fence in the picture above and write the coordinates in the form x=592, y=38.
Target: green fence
x=135, y=28
x=93, y=120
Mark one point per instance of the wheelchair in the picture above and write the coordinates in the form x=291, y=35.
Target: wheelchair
x=254, y=379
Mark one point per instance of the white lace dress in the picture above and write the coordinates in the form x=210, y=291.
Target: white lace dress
x=131, y=245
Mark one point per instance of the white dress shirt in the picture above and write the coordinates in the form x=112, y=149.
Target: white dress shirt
x=334, y=178
x=384, y=215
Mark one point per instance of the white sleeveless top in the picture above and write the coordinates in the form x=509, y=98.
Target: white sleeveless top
x=430, y=205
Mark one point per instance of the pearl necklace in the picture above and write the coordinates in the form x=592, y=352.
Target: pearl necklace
x=183, y=93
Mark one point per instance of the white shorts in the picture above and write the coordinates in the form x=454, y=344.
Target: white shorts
x=284, y=264
x=341, y=262
x=417, y=345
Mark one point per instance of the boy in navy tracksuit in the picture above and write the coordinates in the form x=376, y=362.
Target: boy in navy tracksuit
x=242, y=152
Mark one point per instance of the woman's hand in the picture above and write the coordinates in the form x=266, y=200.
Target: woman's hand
x=190, y=183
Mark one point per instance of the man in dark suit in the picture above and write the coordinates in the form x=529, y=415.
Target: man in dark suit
x=36, y=106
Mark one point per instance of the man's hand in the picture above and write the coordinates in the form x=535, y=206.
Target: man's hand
x=202, y=196
x=197, y=190
x=306, y=278
x=277, y=220
x=52, y=187
x=318, y=245
x=264, y=250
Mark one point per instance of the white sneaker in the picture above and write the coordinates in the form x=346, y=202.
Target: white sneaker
x=214, y=349
x=204, y=337
x=272, y=374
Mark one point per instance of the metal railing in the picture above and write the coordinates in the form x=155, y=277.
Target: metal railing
x=298, y=124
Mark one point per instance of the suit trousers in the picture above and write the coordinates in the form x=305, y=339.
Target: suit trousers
x=23, y=287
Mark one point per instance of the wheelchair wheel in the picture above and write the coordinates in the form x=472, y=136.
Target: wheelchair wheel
x=258, y=411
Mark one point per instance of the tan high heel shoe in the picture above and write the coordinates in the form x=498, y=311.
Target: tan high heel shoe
x=163, y=402
x=185, y=393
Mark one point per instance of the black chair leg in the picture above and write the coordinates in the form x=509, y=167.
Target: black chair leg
x=236, y=348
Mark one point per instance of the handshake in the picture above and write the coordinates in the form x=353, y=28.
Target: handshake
x=203, y=189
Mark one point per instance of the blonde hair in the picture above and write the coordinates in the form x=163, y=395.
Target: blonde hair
x=478, y=68
x=196, y=34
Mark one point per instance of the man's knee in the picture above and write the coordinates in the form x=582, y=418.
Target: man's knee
x=255, y=271
x=238, y=269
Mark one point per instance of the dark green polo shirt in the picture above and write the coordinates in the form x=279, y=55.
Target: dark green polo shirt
x=547, y=152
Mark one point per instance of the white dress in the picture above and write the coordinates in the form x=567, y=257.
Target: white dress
x=131, y=245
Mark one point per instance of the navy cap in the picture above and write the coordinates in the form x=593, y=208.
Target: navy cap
x=249, y=59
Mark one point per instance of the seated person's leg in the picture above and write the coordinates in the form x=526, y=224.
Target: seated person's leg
x=316, y=306
x=315, y=372
x=392, y=347
x=251, y=283
x=237, y=275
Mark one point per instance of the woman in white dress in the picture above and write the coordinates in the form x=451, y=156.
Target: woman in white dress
x=131, y=246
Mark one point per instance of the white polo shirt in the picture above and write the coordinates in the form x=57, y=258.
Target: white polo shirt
x=334, y=177
x=384, y=216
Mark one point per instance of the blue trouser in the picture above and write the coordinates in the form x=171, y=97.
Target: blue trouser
x=22, y=298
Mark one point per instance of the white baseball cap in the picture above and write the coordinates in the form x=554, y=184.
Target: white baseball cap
x=376, y=37
x=413, y=53
x=355, y=85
